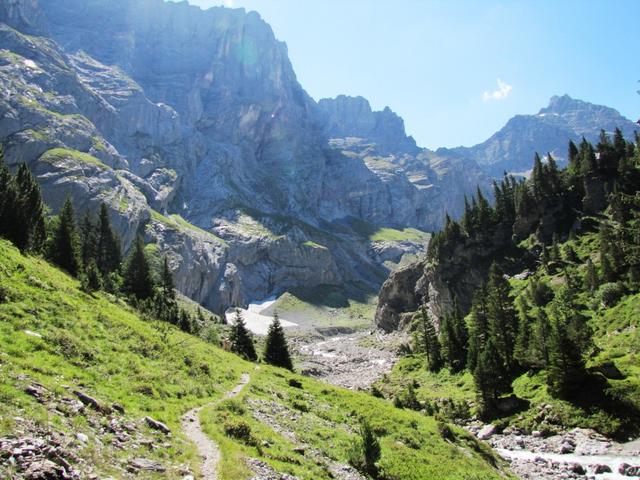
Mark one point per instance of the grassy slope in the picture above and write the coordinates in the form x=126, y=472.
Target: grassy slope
x=617, y=339
x=99, y=345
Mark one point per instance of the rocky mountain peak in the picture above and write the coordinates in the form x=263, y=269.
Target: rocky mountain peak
x=353, y=117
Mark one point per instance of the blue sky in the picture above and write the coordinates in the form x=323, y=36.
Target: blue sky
x=456, y=71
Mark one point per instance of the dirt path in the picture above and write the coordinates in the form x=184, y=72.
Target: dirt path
x=207, y=448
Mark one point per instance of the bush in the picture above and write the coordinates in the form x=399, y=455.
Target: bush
x=300, y=406
x=240, y=430
x=364, y=452
x=609, y=294
x=295, y=383
x=445, y=431
x=232, y=405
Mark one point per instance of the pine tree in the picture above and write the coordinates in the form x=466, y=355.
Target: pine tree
x=501, y=317
x=574, y=158
x=276, y=351
x=487, y=379
x=168, y=285
x=64, y=249
x=109, y=254
x=241, y=340
x=137, y=275
x=539, y=340
x=591, y=277
x=569, y=342
x=478, y=327
x=9, y=208
x=427, y=341
x=91, y=280
x=30, y=230
x=454, y=338
x=88, y=239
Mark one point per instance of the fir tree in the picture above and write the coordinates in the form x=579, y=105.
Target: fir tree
x=454, y=338
x=91, y=280
x=478, y=327
x=488, y=379
x=30, y=230
x=88, y=239
x=591, y=277
x=109, y=254
x=570, y=340
x=501, y=317
x=137, y=279
x=276, y=351
x=64, y=249
x=168, y=285
x=427, y=341
x=9, y=208
x=241, y=340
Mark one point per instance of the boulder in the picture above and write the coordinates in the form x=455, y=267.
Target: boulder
x=156, y=425
x=487, y=432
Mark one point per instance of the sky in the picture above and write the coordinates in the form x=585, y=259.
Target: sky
x=456, y=71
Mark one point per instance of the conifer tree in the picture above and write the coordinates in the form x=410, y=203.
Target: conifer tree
x=574, y=158
x=30, y=230
x=109, y=254
x=241, y=340
x=276, y=351
x=137, y=280
x=454, y=338
x=88, y=239
x=64, y=248
x=591, y=277
x=92, y=279
x=427, y=341
x=9, y=208
x=487, y=377
x=569, y=342
x=478, y=327
x=501, y=317
x=168, y=285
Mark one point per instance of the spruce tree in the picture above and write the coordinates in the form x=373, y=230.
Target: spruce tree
x=30, y=230
x=88, y=239
x=454, y=338
x=9, y=207
x=241, y=340
x=91, y=279
x=570, y=341
x=427, y=341
x=137, y=280
x=487, y=377
x=591, y=277
x=276, y=351
x=168, y=285
x=109, y=254
x=64, y=249
x=478, y=327
x=501, y=317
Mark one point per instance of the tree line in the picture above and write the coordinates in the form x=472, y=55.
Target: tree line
x=542, y=328
x=91, y=251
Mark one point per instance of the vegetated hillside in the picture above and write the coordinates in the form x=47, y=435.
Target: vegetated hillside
x=56, y=340
x=549, y=281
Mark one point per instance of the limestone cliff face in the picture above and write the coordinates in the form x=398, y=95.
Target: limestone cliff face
x=193, y=129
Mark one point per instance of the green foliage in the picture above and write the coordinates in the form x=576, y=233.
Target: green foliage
x=427, y=341
x=609, y=294
x=137, y=280
x=365, y=450
x=241, y=339
x=64, y=249
x=276, y=351
x=454, y=338
x=21, y=209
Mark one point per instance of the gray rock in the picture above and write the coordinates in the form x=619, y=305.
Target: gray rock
x=156, y=425
x=487, y=432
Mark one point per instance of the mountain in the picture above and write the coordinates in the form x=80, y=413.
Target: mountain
x=192, y=127
x=512, y=148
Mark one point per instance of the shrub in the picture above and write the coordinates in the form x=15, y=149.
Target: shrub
x=364, y=451
x=240, y=430
x=609, y=294
x=445, y=431
x=232, y=405
x=300, y=406
x=295, y=383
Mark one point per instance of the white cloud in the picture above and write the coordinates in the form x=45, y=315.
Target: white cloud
x=503, y=91
x=229, y=3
